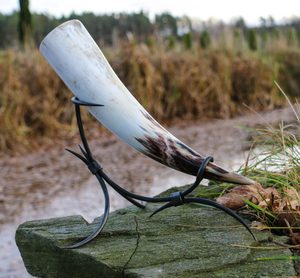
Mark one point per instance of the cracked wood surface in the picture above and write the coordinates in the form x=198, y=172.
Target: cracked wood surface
x=187, y=241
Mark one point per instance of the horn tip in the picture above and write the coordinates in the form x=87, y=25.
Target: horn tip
x=238, y=179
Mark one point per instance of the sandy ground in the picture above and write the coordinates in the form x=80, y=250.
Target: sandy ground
x=50, y=183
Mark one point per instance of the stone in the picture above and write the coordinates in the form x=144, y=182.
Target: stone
x=185, y=241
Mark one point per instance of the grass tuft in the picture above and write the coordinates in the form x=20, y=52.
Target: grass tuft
x=274, y=163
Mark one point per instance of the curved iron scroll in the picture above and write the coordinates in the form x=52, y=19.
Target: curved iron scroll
x=175, y=199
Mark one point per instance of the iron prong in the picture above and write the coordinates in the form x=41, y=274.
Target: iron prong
x=83, y=159
x=77, y=101
x=168, y=205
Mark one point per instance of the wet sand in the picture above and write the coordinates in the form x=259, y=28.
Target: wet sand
x=52, y=184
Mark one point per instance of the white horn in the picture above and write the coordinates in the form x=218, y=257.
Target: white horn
x=79, y=62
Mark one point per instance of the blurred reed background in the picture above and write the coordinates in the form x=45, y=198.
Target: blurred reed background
x=176, y=67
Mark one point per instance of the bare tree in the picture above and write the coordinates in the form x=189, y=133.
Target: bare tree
x=25, y=23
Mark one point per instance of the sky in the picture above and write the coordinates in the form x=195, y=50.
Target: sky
x=225, y=10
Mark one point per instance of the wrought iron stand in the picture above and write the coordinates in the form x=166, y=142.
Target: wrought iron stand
x=175, y=199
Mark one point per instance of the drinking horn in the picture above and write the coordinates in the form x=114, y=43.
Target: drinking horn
x=79, y=62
